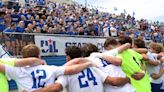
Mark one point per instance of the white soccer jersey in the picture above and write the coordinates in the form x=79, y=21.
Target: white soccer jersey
x=162, y=87
x=32, y=78
x=154, y=69
x=89, y=80
x=113, y=71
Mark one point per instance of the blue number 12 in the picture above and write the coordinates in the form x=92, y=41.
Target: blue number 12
x=43, y=76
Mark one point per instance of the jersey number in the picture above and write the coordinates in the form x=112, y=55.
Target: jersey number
x=40, y=74
x=105, y=63
x=90, y=77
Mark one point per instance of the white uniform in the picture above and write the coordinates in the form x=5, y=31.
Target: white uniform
x=113, y=71
x=162, y=87
x=32, y=78
x=154, y=69
x=89, y=80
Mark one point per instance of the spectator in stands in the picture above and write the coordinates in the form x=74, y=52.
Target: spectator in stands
x=7, y=19
x=16, y=6
x=15, y=17
x=45, y=28
x=10, y=39
x=37, y=29
x=113, y=31
x=2, y=21
x=19, y=42
x=28, y=38
x=106, y=30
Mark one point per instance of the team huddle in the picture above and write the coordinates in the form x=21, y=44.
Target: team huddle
x=122, y=67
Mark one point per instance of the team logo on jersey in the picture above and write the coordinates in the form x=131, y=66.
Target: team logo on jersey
x=48, y=46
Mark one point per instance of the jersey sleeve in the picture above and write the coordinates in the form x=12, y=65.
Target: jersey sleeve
x=8, y=61
x=113, y=52
x=58, y=71
x=96, y=61
x=102, y=74
x=63, y=81
x=11, y=72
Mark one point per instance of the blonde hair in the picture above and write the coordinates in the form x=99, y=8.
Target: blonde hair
x=157, y=47
x=30, y=50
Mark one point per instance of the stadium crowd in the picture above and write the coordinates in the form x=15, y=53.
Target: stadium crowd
x=72, y=19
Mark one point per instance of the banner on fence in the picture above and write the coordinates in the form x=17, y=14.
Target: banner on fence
x=51, y=45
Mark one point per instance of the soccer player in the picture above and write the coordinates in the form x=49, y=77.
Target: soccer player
x=31, y=78
x=89, y=80
x=133, y=68
x=153, y=65
x=5, y=59
x=156, y=72
x=162, y=87
x=111, y=69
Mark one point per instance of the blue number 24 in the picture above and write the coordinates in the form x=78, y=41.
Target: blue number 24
x=90, y=77
x=42, y=75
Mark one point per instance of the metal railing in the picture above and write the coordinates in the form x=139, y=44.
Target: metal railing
x=14, y=42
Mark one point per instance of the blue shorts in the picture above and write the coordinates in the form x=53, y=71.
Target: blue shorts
x=156, y=87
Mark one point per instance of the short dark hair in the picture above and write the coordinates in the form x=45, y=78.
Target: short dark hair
x=73, y=52
x=87, y=49
x=125, y=39
x=139, y=43
x=110, y=41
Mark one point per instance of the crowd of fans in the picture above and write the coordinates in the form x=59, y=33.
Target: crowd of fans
x=74, y=19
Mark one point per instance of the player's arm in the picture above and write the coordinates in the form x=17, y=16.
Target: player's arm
x=32, y=61
x=73, y=69
x=123, y=47
x=57, y=87
x=150, y=61
x=141, y=50
x=76, y=61
x=157, y=76
x=111, y=59
x=117, y=81
x=160, y=55
x=138, y=75
x=2, y=68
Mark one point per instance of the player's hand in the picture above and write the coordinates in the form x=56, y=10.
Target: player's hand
x=96, y=55
x=94, y=65
x=161, y=54
x=145, y=57
x=155, y=76
x=138, y=75
x=128, y=45
x=24, y=91
x=128, y=79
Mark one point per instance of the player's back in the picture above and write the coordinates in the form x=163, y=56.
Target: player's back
x=32, y=78
x=89, y=80
x=112, y=71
